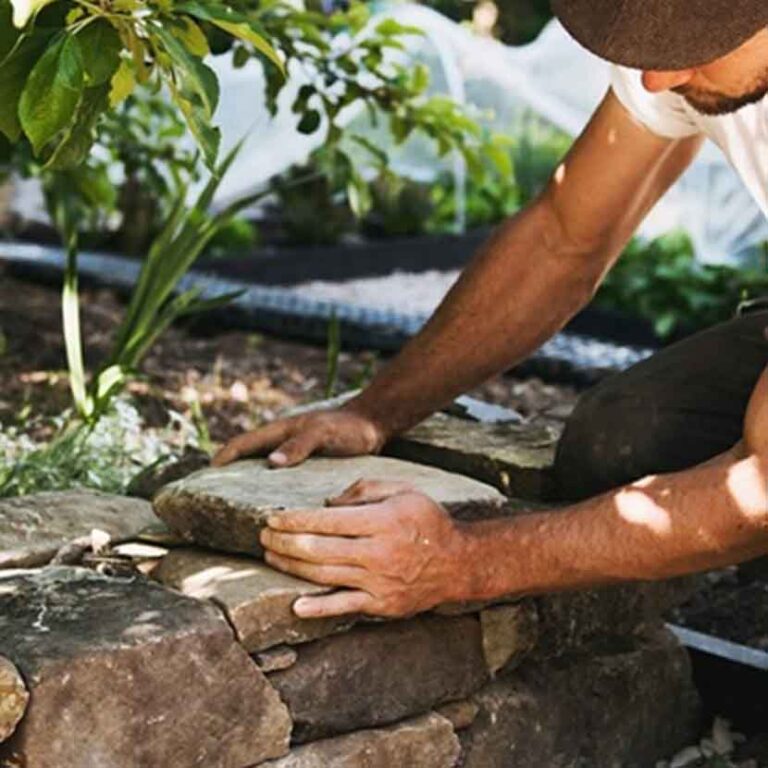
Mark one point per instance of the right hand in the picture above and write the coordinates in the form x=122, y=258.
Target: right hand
x=287, y=442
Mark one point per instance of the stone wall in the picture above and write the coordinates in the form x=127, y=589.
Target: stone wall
x=138, y=648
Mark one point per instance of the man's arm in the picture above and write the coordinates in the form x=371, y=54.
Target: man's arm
x=537, y=270
x=401, y=553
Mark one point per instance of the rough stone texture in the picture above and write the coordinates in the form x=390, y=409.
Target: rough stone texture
x=276, y=659
x=13, y=698
x=126, y=674
x=461, y=714
x=628, y=709
x=257, y=599
x=515, y=458
x=379, y=674
x=151, y=479
x=573, y=620
x=426, y=742
x=509, y=633
x=226, y=508
x=33, y=528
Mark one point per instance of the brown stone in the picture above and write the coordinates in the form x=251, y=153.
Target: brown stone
x=515, y=458
x=629, y=709
x=378, y=674
x=425, y=742
x=34, y=528
x=276, y=659
x=226, y=508
x=151, y=479
x=573, y=620
x=13, y=698
x=461, y=714
x=510, y=632
x=125, y=673
x=257, y=599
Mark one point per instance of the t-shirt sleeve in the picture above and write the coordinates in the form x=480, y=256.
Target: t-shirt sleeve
x=665, y=114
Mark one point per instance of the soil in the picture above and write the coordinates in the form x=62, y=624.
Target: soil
x=238, y=379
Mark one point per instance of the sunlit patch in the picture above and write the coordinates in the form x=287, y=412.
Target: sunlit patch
x=638, y=508
x=613, y=136
x=560, y=173
x=747, y=484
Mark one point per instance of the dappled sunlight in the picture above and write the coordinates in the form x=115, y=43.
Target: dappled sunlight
x=639, y=508
x=560, y=174
x=747, y=484
x=206, y=582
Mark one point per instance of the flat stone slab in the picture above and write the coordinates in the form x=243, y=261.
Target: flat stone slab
x=125, y=673
x=378, y=674
x=426, y=742
x=14, y=698
x=515, y=458
x=630, y=709
x=257, y=599
x=34, y=528
x=226, y=508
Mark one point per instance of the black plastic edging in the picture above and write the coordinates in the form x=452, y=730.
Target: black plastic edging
x=283, y=312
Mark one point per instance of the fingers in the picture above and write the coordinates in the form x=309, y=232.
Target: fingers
x=337, y=604
x=332, y=550
x=328, y=575
x=339, y=521
x=296, y=449
x=368, y=492
x=257, y=442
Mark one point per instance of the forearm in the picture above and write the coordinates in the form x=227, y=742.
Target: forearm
x=663, y=526
x=519, y=290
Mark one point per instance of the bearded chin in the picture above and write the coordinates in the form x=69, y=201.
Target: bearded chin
x=712, y=104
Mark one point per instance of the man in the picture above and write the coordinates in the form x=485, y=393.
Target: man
x=669, y=461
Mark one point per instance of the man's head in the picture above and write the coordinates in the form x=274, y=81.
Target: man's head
x=712, y=52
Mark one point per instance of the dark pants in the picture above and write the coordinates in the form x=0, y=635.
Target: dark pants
x=682, y=406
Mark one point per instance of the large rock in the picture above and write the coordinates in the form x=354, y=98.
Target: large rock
x=515, y=458
x=124, y=673
x=379, y=674
x=33, y=528
x=257, y=599
x=627, y=709
x=226, y=508
x=426, y=742
x=13, y=698
x=509, y=633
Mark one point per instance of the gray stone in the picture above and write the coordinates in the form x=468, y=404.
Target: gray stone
x=426, y=742
x=515, y=458
x=628, y=709
x=257, y=599
x=226, y=508
x=125, y=673
x=34, y=528
x=510, y=632
x=14, y=698
x=151, y=479
x=378, y=674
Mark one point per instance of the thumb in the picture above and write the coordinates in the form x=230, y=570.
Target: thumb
x=295, y=450
x=368, y=492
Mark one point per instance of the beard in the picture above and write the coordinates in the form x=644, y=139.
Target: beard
x=715, y=103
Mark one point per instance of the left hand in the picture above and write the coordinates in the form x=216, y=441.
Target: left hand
x=396, y=551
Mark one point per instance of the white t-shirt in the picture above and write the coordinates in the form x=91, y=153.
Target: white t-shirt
x=742, y=135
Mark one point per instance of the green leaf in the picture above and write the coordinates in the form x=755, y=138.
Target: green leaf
x=191, y=36
x=123, y=83
x=208, y=137
x=359, y=195
x=237, y=24
x=390, y=27
x=13, y=76
x=309, y=122
x=197, y=80
x=52, y=92
x=9, y=35
x=77, y=142
x=100, y=48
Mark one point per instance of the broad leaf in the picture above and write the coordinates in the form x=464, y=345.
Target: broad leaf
x=100, y=47
x=191, y=36
x=77, y=142
x=237, y=24
x=13, y=76
x=123, y=84
x=207, y=136
x=52, y=92
x=309, y=122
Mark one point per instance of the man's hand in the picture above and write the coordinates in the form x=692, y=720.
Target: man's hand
x=341, y=432
x=396, y=550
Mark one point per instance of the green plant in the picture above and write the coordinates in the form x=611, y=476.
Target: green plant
x=662, y=282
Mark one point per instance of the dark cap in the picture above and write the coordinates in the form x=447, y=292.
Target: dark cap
x=662, y=34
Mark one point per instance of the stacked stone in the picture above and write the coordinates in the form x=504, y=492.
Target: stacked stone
x=204, y=663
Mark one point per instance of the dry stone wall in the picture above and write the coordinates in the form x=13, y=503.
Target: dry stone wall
x=178, y=654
